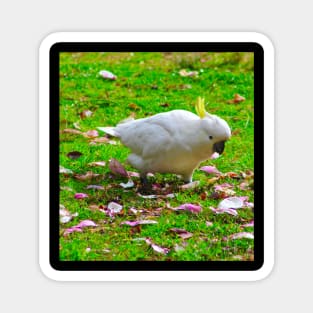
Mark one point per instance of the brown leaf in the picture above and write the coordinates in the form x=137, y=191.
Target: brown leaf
x=117, y=168
x=181, y=233
x=134, y=106
x=99, y=140
x=88, y=176
x=74, y=155
x=71, y=131
x=85, y=114
x=237, y=99
x=99, y=163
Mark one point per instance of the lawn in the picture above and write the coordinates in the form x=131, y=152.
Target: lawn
x=147, y=84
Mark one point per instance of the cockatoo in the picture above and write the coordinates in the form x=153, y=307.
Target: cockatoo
x=172, y=142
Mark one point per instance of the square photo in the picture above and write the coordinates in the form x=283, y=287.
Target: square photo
x=156, y=156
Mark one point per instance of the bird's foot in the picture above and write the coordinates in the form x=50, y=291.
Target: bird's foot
x=145, y=187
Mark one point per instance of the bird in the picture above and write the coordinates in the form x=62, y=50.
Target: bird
x=173, y=142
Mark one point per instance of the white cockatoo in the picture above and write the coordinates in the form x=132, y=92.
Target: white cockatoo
x=172, y=142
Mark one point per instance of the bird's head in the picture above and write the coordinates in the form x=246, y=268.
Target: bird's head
x=215, y=131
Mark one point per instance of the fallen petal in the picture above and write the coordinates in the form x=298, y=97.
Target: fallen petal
x=220, y=211
x=96, y=187
x=114, y=207
x=189, y=207
x=181, y=233
x=210, y=169
x=190, y=185
x=135, y=223
x=231, y=203
x=91, y=134
x=129, y=184
x=107, y=75
x=63, y=170
x=80, y=195
x=99, y=163
x=185, y=73
x=86, y=223
x=242, y=235
x=157, y=248
x=215, y=155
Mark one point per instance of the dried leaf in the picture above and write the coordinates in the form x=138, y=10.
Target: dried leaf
x=99, y=140
x=237, y=98
x=91, y=134
x=88, y=176
x=107, y=75
x=95, y=187
x=86, y=113
x=191, y=185
x=74, y=155
x=71, y=131
x=181, y=233
x=99, y=163
x=185, y=73
x=117, y=168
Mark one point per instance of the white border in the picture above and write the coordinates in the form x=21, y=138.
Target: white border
x=44, y=156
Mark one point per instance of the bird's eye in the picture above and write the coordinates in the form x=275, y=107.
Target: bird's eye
x=211, y=137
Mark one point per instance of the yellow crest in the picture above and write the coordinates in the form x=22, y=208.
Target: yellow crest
x=200, y=107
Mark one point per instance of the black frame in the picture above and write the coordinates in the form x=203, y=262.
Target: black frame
x=258, y=156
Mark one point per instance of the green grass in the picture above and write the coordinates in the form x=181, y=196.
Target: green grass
x=145, y=82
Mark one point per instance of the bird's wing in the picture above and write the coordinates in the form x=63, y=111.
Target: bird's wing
x=145, y=136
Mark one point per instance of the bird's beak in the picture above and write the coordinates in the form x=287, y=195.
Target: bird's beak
x=219, y=147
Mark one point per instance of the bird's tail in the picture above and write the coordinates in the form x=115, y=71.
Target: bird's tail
x=109, y=130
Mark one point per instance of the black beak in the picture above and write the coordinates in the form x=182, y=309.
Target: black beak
x=219, y=147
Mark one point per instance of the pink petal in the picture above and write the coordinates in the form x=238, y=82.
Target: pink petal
x=189, y=207
x=182, y=233
x=220, y=211
x=215, y=155
x=191, y=185
x=86, y=223
x=71, y=230
x=91, y=134
x=242, y=235
x=135, y=223
x=114, y=207
x=107, y=75
x=156, y=247
x=80, y=196
x=210, y=169
x=251, y=224
x=134, y=174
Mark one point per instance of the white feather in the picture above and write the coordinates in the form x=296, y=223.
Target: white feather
x=171, y=142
